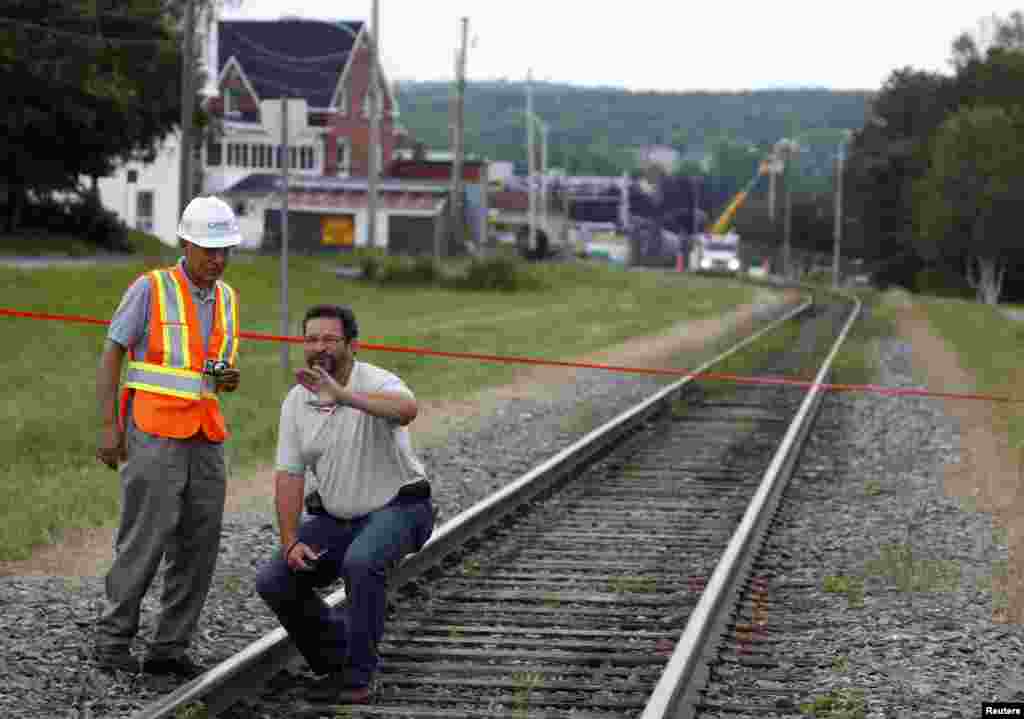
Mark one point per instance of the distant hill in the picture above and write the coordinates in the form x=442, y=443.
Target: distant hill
x=595, y=129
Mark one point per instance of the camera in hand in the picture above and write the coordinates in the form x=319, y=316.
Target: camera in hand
x=214, y=368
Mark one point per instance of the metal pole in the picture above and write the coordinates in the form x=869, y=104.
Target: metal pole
x=532, y=242
x=544, y=174
x=771, y=197
x=285, y=162
x=187, y=109
x=839, y=214
x=374, y=93
x=458, y=213
x=787, y=226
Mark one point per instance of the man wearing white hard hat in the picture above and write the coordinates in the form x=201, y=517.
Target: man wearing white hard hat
x=164, y=431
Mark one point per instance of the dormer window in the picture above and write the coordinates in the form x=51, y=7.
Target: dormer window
x=231, y=107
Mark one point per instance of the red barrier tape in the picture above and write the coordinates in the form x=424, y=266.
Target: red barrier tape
x=737, y=379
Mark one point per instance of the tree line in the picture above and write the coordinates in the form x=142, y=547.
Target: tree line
x=596, y=131
x=85, y=86
x=937, y=169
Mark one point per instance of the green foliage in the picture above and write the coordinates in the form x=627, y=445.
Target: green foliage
x=851, y=586
x=967, y=201
x=106, y=79
x=192, y=710
x=911, y=574
x=837, y=704
x=595, y=130
x=912, y=169
x=941, y=281
x=411, y=271
x=502, y=273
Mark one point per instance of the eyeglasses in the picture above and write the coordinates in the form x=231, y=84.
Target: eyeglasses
x=327, y=340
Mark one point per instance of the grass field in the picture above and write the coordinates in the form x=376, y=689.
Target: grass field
x=50, y=480
x=989, y=346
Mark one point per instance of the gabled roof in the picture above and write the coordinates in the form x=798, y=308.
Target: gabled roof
x=298, y=57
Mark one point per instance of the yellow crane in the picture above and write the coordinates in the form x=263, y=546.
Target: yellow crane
x=721, y=225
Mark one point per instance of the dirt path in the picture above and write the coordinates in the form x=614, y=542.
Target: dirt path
x=989, y=476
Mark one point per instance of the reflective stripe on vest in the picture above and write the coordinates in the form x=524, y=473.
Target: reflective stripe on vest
x=173, y=320
x=227, y=306
x=168, y=380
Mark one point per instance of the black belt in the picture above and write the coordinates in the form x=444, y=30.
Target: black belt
x=419, y=489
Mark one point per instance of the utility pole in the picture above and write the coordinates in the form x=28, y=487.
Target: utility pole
x=787, y=229
x=532, y=240
x=187, y=108
x=839, y=213
x=544, y=174
x=373, y=169
x=285, y=162
x=458, y=139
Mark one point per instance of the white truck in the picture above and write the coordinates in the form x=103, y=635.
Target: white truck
x=715, y=253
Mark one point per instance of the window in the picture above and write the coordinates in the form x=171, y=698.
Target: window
x=292, y=157
x=230, y=102
x=341, y=157
x=133, y=176
x=306, y=158
x=144, y=203
x=277, y=157
x=244, y=162
x=213, y=153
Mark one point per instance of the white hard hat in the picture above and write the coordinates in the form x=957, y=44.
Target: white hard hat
x=209, y=222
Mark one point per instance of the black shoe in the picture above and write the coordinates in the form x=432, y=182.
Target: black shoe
x=336, y=689
x=182, y=666
x=117, y=661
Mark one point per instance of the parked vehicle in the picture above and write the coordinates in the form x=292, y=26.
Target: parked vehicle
x=715, y=253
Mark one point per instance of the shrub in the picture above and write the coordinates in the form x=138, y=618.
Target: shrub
x=401, y=270
x=501, y=272
x=942, y=282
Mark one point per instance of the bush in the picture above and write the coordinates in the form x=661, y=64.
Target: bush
x=501, y=273
x=401, y=270
x=942, y=282
x=85, y=220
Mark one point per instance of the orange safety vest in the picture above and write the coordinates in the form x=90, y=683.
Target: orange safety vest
x=173, y=398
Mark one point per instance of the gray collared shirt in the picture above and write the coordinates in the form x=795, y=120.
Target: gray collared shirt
x=130, y=325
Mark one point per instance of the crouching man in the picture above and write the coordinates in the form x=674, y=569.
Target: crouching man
x=368, y=502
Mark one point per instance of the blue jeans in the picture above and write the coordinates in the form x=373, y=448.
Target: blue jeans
x=362, y=551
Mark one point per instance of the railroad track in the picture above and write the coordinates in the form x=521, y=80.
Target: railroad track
x=597, y=585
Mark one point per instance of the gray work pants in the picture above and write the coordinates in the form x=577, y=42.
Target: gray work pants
x=172, y=504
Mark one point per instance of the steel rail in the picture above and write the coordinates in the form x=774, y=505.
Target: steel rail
x=250, y=668
x=675, y=693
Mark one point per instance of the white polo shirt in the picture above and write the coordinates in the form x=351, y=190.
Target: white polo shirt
x=356, y=461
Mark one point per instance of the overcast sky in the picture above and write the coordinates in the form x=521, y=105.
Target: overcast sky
x=659, y=44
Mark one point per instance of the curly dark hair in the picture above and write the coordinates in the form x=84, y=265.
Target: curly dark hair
x=338, y=312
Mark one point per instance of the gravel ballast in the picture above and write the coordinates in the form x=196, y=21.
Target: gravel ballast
x=936, y=652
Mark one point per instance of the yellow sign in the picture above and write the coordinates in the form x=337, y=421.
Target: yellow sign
x=338, y=231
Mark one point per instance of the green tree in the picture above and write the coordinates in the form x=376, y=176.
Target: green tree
x=85, y=84
x=967, y=202
x=890, y=153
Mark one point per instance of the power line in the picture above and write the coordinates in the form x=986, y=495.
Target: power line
x=281, y=57
x=286, y=87
x=305, y=70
